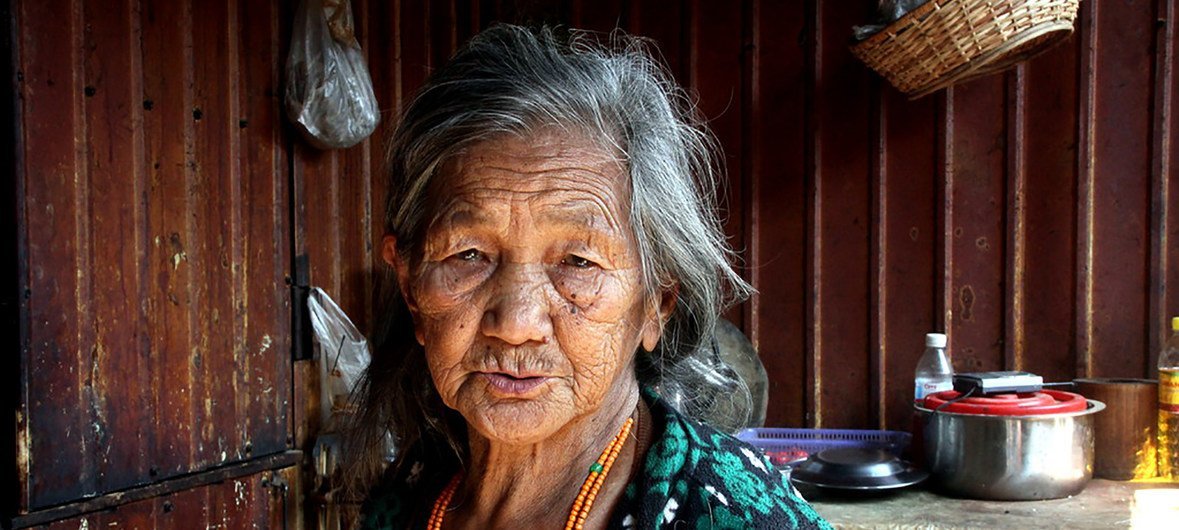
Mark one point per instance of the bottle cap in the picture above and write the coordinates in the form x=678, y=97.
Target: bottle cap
x=1175, y=324
x=936, y=340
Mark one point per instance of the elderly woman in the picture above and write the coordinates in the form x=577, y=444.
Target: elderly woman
x=553, y=251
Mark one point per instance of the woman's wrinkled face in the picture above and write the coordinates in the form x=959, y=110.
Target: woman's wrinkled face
x=528, y=295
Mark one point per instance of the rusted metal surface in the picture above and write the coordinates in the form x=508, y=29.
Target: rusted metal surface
x=715, y=75
x=1042, y=341
x=905, y=234
x=1121, y=156
x=841, y=218
x=977, y=168
x=155, y=226
x=263, y=500
x=1164, y=289
x=276, y=463
x=778, y=221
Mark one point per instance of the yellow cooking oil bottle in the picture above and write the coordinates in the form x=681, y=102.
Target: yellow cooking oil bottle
x=1169, y=405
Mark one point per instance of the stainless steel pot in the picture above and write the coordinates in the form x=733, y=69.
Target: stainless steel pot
x=1010, y=457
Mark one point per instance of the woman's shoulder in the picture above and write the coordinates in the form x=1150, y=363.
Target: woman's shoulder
x=395, y=501
x=386, y=505
x=696, y=474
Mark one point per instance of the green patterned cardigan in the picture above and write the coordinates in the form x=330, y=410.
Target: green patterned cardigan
x=693, y=477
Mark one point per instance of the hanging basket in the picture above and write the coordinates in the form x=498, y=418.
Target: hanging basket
x=943, y=42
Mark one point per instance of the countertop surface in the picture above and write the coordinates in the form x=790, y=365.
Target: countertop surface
x=1102, y=504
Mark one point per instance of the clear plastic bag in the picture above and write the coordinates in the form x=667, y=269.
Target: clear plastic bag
x=329, y=93
x=889, y=11
x=341, y=352
x=723, y=384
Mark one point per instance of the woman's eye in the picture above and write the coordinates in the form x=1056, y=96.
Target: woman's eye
x=577, y=262
x=469, y=255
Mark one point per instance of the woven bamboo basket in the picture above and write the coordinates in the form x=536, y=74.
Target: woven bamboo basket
x=943, y=42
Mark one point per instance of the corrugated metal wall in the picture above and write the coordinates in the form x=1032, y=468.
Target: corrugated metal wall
x=1030, y=215
x=162, y=203
x=248, y=502
x=154, y=242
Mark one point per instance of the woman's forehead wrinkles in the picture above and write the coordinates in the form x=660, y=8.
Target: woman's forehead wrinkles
x=498, y=211
x=586, y=213
x=561, y=183
x=557, y=200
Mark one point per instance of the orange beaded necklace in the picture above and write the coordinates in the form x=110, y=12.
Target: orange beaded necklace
x=585, y=498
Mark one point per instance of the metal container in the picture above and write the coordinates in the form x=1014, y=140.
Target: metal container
x=1010, y=457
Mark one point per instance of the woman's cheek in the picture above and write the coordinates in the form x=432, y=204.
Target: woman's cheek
x=597, y=295
x=442, y=285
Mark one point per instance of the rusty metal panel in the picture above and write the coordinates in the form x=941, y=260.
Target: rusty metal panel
x=714, y=75
x=1041, y=338
x=777, y=207
x=667, y=22
x=254, y=501
x=975, y=170
x=597, y=15
x=1116, y=205
x=1165, y=193
x=905, y=235
x=840, y=213
x=56, y=307
x=156, y=206
x=264, y=379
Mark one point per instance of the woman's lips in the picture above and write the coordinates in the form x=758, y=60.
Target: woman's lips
x=509, y=384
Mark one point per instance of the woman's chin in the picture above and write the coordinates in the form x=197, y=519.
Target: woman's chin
x=516, y=420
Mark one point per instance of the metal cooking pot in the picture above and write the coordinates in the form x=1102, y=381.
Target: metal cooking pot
x=1010, y=458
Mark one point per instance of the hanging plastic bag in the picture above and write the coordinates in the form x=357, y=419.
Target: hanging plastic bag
x=889, y=11
x=329, y=93
x=342, y=354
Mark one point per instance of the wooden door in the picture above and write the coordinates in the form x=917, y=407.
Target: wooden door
x=152, y=237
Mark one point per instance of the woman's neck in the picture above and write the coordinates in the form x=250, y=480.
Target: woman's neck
x=512, y=485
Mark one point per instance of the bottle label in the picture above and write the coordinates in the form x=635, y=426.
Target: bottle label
x=926, y=387
x=1169, y=390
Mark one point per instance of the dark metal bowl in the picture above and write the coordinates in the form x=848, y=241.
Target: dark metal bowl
x=854, y=468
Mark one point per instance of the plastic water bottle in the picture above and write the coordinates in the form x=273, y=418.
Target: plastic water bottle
x=934, y=372
x=1169, y=405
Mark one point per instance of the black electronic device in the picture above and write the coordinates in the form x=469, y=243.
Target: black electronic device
x=988, y=383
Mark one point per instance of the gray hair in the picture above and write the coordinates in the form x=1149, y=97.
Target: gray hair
x=511, y=80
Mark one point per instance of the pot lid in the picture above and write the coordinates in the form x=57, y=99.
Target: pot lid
x=856, y=468
x=1012, y=404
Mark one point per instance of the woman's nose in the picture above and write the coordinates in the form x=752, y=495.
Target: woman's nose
x=518, y=312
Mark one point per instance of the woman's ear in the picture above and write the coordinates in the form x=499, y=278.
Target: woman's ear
x=401, y=270
x=657, y=318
